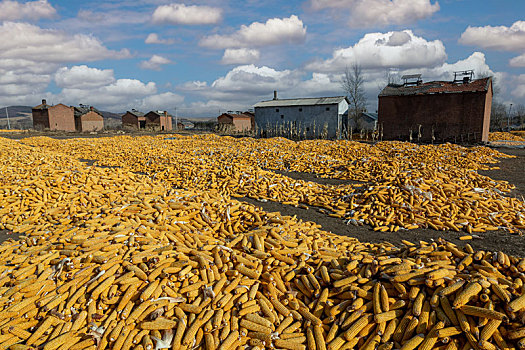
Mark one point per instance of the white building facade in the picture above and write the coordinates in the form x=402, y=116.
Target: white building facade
x=304, y=117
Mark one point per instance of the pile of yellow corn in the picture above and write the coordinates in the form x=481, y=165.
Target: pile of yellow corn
x=505, y=136
x=402, y=185
x=110, y=259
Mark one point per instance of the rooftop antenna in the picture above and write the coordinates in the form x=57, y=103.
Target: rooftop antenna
x=411, y=79
x=463, y=76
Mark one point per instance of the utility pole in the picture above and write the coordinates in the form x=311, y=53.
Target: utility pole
x=508, y=117
x=176, y=125
x=7, y=115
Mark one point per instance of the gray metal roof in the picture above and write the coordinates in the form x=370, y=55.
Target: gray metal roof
x=372, y=116
x=301, y=102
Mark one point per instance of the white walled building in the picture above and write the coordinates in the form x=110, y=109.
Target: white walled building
x=311, y=117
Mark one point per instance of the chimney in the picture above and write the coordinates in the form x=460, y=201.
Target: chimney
x=44, y=102
x=166, y=114
x=275, y=94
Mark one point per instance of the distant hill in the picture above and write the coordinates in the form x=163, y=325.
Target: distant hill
x=20, y=118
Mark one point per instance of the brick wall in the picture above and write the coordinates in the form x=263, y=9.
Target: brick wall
x=165, y=123
x=91, y=121
x=242, y=124
x=61, y=117
x=40, y=119
x=452, y=116
x=129, y=119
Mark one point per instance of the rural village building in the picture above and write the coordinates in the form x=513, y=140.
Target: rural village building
x=236, y=122
x=437, y=110
x=57, y=117
x=88, y=118
x=186, y=124
x=312, y=117
x=134, y=119
x=158, y=120
x=366, y=121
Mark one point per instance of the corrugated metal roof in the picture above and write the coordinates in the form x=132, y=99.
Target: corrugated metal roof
x=435, y=87
x=301, y=102
x=372, y=116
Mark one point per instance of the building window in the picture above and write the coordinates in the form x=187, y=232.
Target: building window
x=327, y=108
x=307, y=129
x=277, y=110
x=300, y=109
x=282, y=116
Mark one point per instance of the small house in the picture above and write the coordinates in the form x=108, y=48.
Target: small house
x=158, y=120
x=366, y=121
x=87, y=119
x=236, y=122
x=57, y=117
x=134, y=120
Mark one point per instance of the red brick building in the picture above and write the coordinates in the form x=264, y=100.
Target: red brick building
x=57, y=117
x=158, y=120
x=237, y=122
x=134, y=119
x=437, y=111
x=88, y=119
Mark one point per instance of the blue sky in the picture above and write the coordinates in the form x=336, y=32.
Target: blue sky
x=203, y=57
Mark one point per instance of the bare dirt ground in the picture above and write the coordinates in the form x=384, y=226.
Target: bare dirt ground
x=6, y=234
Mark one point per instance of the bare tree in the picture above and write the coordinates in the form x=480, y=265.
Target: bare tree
x=353, y=85
x=391, y=76
x=498, y=116
x=520, y=114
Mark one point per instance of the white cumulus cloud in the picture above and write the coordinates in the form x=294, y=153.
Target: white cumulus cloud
x=274, y=31
x=385, y=50
x=100, y=88
x=14, y=10
x=153, y=38
x=518, y=61
x=116, y=95
x=155, y=62
x=27, y=41
x=519, y=91
x=184, y=14
x=496, y=38
x=240, y=56
x=82, y=77
x=163, y=101
x=370, y=13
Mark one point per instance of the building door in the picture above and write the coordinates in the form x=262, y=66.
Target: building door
x=142, y=124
